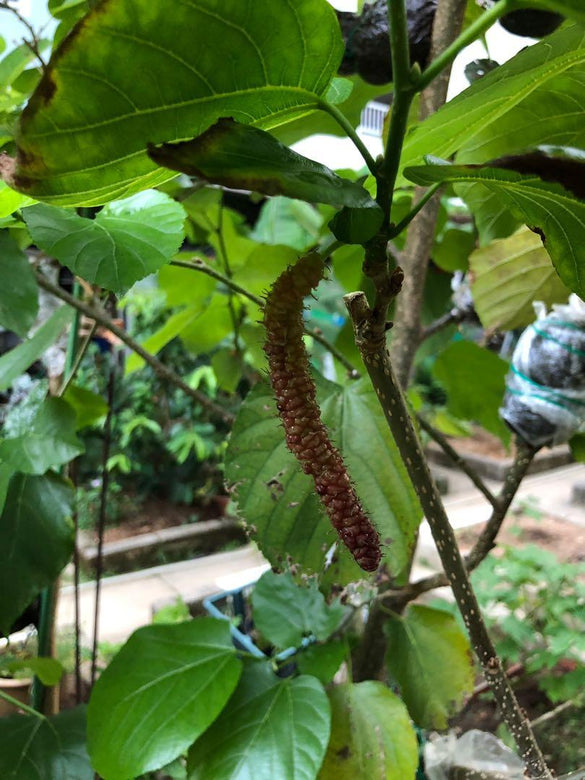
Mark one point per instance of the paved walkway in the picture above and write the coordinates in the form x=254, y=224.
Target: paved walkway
x=129, y=600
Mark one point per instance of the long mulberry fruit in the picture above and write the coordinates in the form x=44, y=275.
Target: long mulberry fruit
x=306, y=436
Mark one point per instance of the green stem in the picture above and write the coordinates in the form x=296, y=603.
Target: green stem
x=404, y=92
x=24, y=707
x=396, y=230
x=345, y=124
x=468, y=36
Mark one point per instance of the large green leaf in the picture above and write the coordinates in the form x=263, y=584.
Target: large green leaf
x=279, y=502
x=128, y=240
x=15, y=362
x=36, y=748
x=243, y=157
x=535, y=97
x=18, y=292
x=163, y=689
x=474, y=379
x=285, y=612
x=371, y=735
x=84, y=133
x=50, y=441
x=430, y=657
x=545, y=207
x=508, y=276
x=271, y=728
x=36, y=540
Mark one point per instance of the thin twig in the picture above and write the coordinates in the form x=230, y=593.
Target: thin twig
x=78, y=358
x=197, y=264
x=101, y=523
x=396, y=230
x=21, y=706
x=457, y=459
x=551, y=714
x=371, y=341
x=453, y=317
x=160, y=369
x=34, y=43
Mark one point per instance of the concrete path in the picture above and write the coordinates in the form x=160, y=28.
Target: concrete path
x=128, y=600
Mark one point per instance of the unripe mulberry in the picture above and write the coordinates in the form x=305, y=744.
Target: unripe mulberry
x=306, y=436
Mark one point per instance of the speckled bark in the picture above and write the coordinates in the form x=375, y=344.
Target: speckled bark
x=306, y=436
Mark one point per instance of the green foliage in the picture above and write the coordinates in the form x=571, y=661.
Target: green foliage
x=286, y=613
x=521, y=264
x=238, y=156
x=430, y=658
x=535, y=605
x=36, y=540
x=18, y=293
x=163, y=689
x=371, y=734
x=106, y=118
x=550, y=210
x=474, y=381
x=48, y=442
x=128, y=240
x=38, y=748
x=270, y=728
x=15, y=362
x=272, y=491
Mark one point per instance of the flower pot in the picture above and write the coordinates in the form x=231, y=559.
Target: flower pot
x=18, y=689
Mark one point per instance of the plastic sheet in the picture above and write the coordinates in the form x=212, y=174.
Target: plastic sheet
x=476, y=752
x=545, y=388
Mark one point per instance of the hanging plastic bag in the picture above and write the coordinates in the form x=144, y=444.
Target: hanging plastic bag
x=447, y=758
x=545, y=388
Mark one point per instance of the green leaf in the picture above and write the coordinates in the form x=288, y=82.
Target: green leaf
x=227, y=365
x=183, y=286
x=10, y=200
x=13, y=63
x=37, y=748
x=50, y=442
x=83, y=135
x=15, y=362
x=322, y=661
x=430, y=657
x=356, y=226
x=48, y=670
x=19, y=292
x=547, y=208
x=285, y=612
x=243, y=157
x=371, y=735
x=279, y=502
x=339, y=90
x=36, y=540
x=164, y=688
x=290, y=222
x=535, y=96
x=492, y=215
x=474, y=379
x=128, y=240
x=89, y=407
x=271, y=728
x=508, y=276
x=452, y=252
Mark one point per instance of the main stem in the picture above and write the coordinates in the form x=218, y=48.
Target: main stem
x=371, y=341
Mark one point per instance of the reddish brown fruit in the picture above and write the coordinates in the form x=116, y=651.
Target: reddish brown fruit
x=306, y=436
